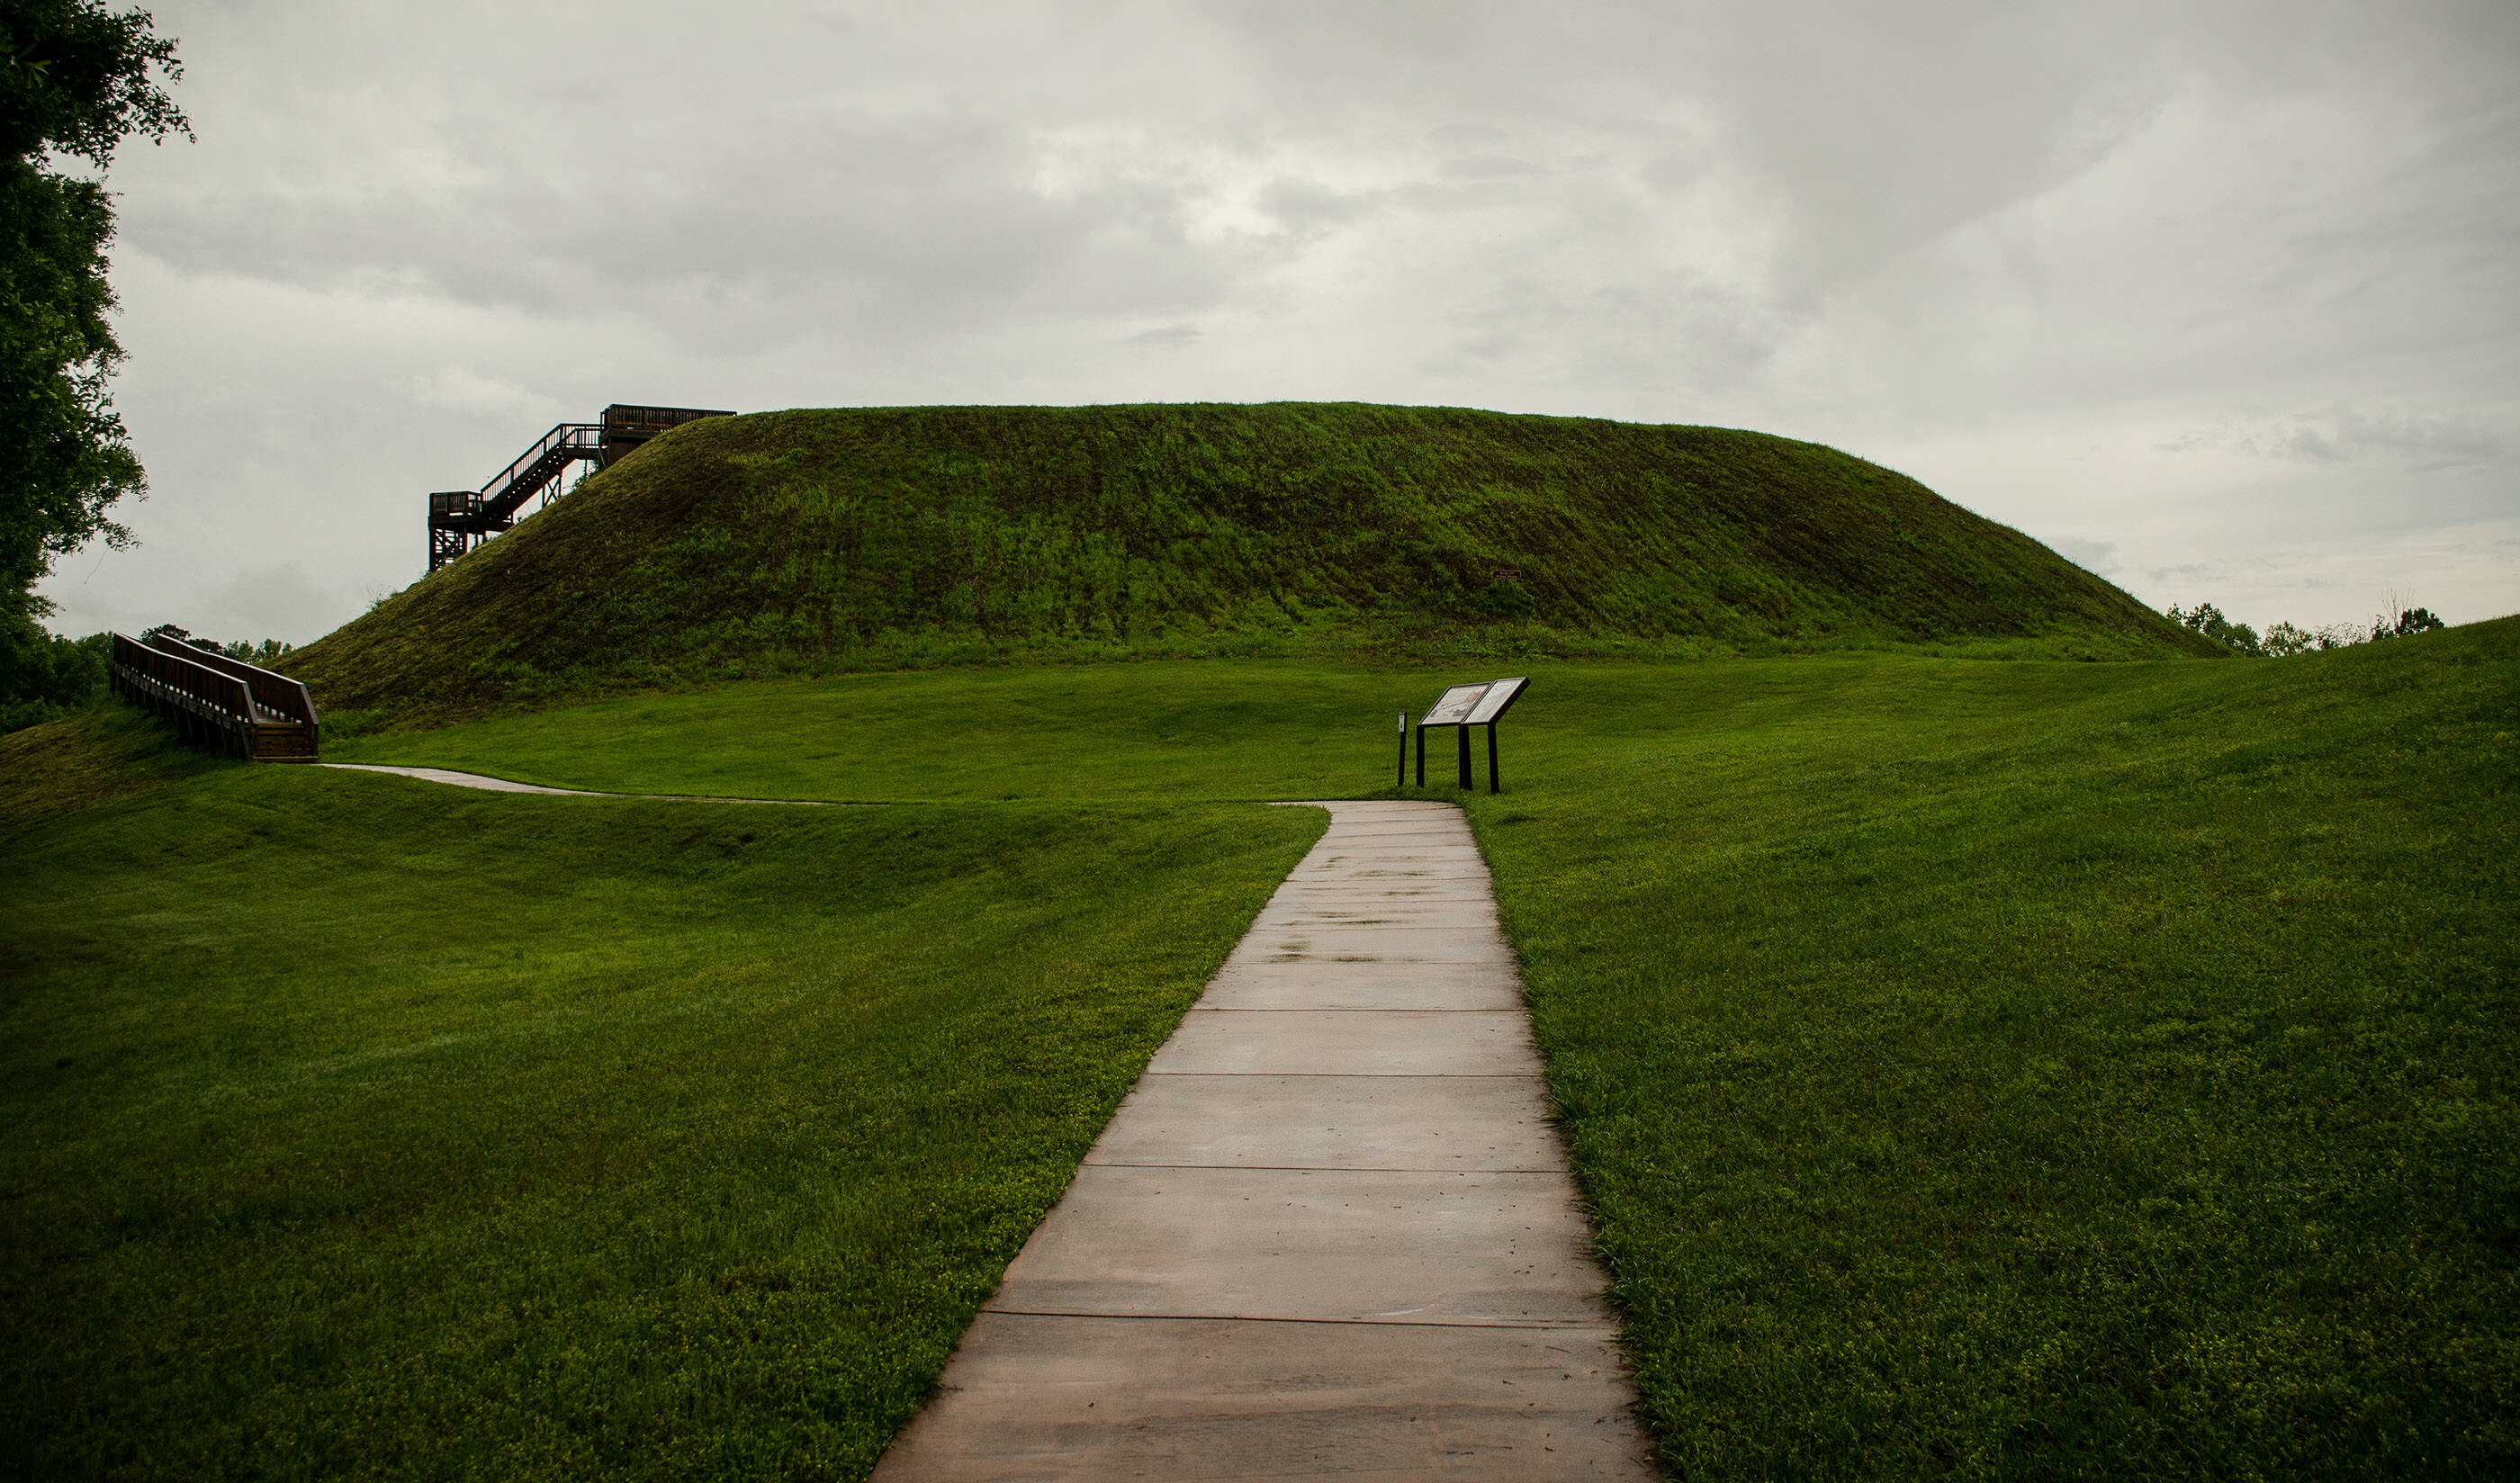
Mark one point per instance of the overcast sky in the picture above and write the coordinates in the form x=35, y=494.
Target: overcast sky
x=2220, y=299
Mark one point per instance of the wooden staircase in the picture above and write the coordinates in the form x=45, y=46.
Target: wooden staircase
x=283, y=741
x=459, y=520
x=211, y=700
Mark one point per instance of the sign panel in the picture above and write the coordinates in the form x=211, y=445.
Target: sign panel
x=1498, y=696
x=1455, y=709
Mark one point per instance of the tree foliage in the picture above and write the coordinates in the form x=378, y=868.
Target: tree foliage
x=74, y=81
x=2208, y=619
x=2409, y=621
x=2283, y=640
x=49, y=676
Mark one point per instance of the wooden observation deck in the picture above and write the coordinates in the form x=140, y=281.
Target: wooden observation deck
x=459, y=520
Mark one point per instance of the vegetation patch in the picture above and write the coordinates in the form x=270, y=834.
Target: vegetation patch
x=1255, y=730
x=2023, y=1069
x=93, y=756
x=2038, y=1072
x=360, y=1127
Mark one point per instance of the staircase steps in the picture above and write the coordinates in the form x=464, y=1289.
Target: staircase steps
x=283, y=741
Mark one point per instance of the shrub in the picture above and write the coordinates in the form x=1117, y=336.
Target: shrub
x=2207, y=619
x=44, y=676
x=2285, y=640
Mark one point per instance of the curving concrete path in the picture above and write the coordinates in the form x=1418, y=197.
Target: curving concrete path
x=489, y=785
x=1329, y=1232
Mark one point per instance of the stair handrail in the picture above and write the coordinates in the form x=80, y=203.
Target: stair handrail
x=459, y=519
x=222, y=701
x=572, y=435
x=277, y=694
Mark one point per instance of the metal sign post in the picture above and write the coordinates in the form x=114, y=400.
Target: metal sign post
x=1451, y=710
x=1492, y=706
x=1402, y=780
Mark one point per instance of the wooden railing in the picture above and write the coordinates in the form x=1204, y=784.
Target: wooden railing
x=277, y=697
x=213, y=700
x=538, y=466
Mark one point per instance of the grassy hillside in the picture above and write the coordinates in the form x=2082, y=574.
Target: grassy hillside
x=93, y=756
x=2030, y=1069
x=883, y=538
x=359, y=1128
x=2043, y=1072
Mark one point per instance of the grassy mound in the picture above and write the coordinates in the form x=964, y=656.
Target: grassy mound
x=817, y=541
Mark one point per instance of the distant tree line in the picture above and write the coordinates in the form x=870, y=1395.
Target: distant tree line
x=46, y=675
x=75, y=79
x=2283, y=640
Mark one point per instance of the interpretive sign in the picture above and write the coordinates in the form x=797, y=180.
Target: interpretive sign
x=1461, y=707
x=1493, y=700
x=1454, y=707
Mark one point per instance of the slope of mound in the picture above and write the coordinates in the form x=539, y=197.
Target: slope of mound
x=863, y=538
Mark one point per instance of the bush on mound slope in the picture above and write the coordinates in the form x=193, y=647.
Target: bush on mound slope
x=889, y=537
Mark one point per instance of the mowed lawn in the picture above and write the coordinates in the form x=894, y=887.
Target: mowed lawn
x=2041, y=1071
x=1160, y=729
x=2023, y=1069
x=359, y=1127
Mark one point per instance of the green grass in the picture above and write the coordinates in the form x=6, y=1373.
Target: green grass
x=59, y=767
x=2023, y=1069
x=358, y=1126
x=1253, y=729
x=2038, y=1072
x=884, y=538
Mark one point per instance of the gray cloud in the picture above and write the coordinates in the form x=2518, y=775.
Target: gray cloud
x=1164, y=338
x=2422, y=444
x=909, y=230
x=2192, y=282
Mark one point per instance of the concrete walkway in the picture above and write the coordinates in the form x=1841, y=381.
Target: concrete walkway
x=489, y=785
x=1330, y=1232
